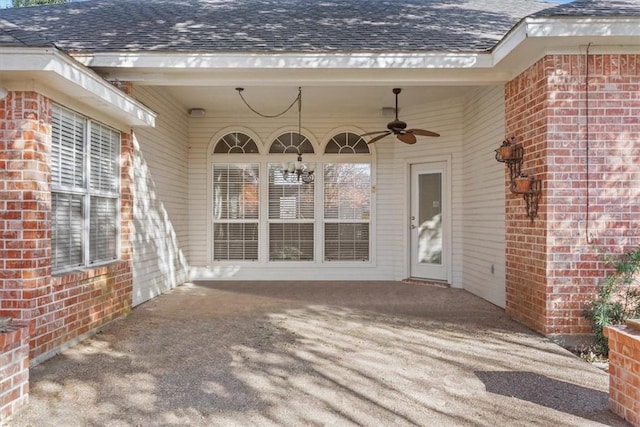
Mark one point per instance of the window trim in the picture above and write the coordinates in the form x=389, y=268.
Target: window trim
x=264, y=158
x=86, y=193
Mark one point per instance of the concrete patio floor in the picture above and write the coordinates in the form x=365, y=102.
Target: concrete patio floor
x=316, y=353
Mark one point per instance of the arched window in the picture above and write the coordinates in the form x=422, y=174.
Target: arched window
x=235, y=143
x=347, y=199
x=235, y=197
x=291, y=204
x=347, y=143
x=291, y=142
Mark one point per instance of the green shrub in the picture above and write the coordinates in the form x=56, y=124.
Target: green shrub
x=618, y=298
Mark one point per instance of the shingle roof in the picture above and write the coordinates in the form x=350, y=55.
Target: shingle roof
x=284, y=25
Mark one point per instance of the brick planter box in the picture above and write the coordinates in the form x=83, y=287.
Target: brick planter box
x=624, y=371
x=14, y=368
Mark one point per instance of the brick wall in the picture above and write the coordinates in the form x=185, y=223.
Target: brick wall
x=14, y=369
x=25, y=204
x=62, y=308
x=624, y=372
x=555, y=262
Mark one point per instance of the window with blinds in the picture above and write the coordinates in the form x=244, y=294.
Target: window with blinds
x=284, y=230
x=291, y=217
x=85, y=177
x=236, y=195
x=347, y=202
x=347, y=211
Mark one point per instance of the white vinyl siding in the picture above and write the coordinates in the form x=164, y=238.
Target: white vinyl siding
x=85, y=181
x=161, y=198
x=388, y=226
x=484, y=196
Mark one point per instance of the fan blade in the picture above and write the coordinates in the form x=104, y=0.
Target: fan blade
x=374, y=133
x=407, y=138
x=422, y=132
x=379, y=137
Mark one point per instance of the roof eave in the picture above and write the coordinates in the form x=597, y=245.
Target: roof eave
x=530, y=39
x=52, y=72
x=210, y=68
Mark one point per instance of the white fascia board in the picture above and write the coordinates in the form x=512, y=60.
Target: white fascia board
x=204, y=61
x=570, y=31
x=90, y=86
x=583, y=27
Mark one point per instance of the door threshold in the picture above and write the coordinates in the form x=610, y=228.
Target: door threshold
x=428, y=282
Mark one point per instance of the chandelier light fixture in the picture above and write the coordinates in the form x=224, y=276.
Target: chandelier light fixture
x=294, y=171
x=298, y=171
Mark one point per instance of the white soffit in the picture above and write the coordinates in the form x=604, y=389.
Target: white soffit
x=306, y=68
x=47, y=69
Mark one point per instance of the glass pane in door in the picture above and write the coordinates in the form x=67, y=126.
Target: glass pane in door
x=430, y=218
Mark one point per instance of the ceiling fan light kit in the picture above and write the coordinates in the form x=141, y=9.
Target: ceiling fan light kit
x=398, y=128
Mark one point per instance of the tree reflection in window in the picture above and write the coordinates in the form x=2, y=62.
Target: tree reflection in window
x=236, y=143
x=347, y=200
x=347, y=143
x=291, y=142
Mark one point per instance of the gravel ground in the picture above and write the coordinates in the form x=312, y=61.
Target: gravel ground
x=316, y=353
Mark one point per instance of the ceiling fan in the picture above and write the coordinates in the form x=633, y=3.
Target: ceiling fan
x=399, y=129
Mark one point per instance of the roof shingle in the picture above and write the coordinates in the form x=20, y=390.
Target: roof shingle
x=284, y=25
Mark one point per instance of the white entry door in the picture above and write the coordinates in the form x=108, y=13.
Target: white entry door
x=429, y=221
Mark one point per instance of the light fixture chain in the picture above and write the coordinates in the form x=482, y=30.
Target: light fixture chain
x=269, y=116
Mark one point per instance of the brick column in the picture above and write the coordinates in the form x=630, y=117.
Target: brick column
x=25, y=205
x=555, y=263
x=25, y=236
x=624, y=371
x=14, y=369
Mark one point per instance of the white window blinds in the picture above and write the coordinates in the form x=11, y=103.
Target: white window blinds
x=67, y=230
x=291, y=218
x=68, y=154
x=85, y=197
x=236, y=195
x=347, y=211
x=105, y=144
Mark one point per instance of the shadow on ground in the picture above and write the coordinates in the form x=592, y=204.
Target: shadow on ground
x=351, y=353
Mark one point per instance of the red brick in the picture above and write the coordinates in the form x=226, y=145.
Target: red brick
x=542, y=114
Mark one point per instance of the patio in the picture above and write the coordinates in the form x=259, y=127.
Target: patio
x=316, y=353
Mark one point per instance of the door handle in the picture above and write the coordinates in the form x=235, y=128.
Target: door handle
x=413, y=226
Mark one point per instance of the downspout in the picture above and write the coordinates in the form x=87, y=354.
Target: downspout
x=588, y=235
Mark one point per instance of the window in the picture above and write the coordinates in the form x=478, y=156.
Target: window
x=260, y=214
x=291, y=206
x=236, y=201
x=236, y=194
x=347, y=202
x=235, y=142
x=85, y=196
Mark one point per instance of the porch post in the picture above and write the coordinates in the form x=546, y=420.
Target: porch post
x=25, y=236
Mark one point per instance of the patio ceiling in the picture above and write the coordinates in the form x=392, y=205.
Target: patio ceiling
x=324, y=100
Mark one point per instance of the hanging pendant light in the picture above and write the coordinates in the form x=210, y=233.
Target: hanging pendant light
x=295, y=171
x=301, y=171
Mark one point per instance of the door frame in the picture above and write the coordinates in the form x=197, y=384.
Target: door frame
x=447, y=207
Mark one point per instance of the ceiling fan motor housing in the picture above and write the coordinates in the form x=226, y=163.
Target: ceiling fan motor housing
x=396, y=126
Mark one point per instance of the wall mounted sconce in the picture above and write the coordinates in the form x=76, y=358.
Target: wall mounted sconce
x=512, y=154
